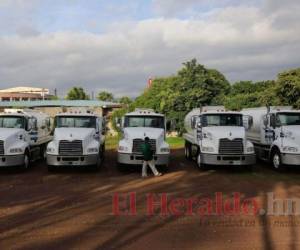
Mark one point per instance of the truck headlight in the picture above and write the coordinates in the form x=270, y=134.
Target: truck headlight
x=123, y=148
x=250, y=150
x=207, y=149
x=290, y=149
x=165, y=150
x=50, y=150
x=92, y=150
x=16, y=150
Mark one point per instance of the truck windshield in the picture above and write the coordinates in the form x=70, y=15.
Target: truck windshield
x=12, y=122
x=222, y=120
x=75, y=122
x=144, y=121
x=286, y=119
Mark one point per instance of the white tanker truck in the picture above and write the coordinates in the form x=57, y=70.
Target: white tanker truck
x=79, y=140
x=276, y=135
x=24, y=135
x=217, y=137
x=135, y=127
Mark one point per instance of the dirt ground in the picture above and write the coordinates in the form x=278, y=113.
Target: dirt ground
x=73, y=209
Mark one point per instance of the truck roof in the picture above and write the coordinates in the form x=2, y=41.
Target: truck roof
x=144, y=112
x=13, y=114
x=221, y=112
x=272, y=108
x=77, y=114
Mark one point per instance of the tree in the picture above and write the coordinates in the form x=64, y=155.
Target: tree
x=125, y=100
x=246, y=94
x=288, y=87
x=193, y=86
x=77, y=93
x=105, y=96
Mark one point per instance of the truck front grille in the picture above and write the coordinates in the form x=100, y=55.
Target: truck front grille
x=137, y=143
x=228, y=147
x=70, y=147
x=1, y=148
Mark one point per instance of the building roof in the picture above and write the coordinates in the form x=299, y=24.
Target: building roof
x=25, y=90
x=60, y=103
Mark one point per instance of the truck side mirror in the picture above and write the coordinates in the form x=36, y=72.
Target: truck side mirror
x=265, y=121
x=247, y=122
x=118, y=122
x=31, y=124
x=273, y=121
x=198, y=123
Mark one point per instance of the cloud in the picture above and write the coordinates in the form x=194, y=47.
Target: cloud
x=243, y=42
x=173, y=8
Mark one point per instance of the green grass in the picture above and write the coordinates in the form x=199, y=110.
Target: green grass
x=175, y=142
x=111, y=142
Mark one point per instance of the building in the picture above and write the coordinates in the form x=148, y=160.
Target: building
x=24, y=94
x=53, y=107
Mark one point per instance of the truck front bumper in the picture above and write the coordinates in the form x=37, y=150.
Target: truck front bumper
x=290, y=159
x=134, y=159
x=82, y=160
x=11, y=160
x=230, y=160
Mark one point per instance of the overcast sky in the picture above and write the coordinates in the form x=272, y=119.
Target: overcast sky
x=117, y=45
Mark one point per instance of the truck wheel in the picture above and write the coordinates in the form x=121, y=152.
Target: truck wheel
x=200, y=165
x=187, y=151
x=103, y=152
x=43, y=152
x=276, y=160
x=122, y=168
x=26, y=163
x=97, y=166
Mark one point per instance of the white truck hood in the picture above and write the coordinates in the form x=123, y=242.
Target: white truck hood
x=141, y=133
x=294, y=130
x=6, y=133
x=229, y=132
x=71, y=134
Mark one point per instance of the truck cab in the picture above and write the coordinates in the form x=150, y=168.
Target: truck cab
x=135, y=127
x=217, y=137
x=24, y=135
x=79, y=140
x=276, y=135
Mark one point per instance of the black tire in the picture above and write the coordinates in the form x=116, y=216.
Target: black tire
x=122, y=168
x=97, y=166
x=188, y=151
x=276, y=160
x=103, y=152
x=26, y=163
x=43, y=151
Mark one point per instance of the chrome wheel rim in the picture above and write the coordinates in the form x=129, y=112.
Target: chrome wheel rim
x=26, y=161
x=276, y=161
x=199, y=161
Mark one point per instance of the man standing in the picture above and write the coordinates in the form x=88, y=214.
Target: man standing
x=148, y=159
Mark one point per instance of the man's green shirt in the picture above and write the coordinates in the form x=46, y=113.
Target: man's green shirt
x=147, y=152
